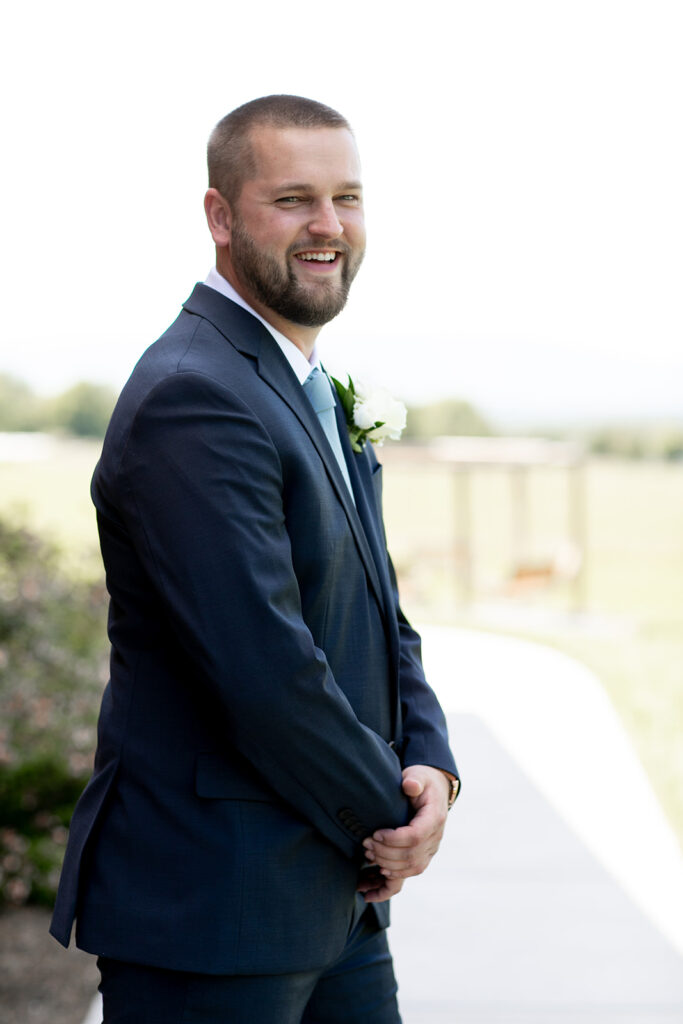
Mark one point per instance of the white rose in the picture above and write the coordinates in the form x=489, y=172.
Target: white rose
x=377, y=405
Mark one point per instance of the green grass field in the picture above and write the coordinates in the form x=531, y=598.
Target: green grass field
x=51, y=495
x=629, y=631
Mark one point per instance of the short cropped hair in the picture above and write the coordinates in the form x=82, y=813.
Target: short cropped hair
x=230, y=155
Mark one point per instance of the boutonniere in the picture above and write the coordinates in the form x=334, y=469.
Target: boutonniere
x=372, y=414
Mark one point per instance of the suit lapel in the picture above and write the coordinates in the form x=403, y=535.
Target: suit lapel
x=360, y=470
x=368, y=512
x=249, y=336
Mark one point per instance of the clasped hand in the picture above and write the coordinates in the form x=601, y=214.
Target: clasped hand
x=401, y=852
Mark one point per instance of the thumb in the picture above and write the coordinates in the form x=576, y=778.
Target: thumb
x=412, y=787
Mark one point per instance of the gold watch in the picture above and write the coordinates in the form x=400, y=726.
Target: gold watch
x=455, y=787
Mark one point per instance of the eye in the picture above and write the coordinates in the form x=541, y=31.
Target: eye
x=348, y=199
x=289, y=200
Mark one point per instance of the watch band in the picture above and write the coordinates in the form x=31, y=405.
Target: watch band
x=455, y=787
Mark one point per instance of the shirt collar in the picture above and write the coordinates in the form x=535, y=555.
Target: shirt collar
x=294, y=356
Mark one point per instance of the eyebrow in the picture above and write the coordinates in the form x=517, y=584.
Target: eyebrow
x=298, y=186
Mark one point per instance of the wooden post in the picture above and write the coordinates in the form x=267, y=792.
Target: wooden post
x=520, y=517
x=464, y=559
x=578, y=532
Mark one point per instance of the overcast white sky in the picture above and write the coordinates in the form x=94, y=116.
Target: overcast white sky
x=523, y=162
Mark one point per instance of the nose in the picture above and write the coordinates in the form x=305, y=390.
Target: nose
x=324, y=222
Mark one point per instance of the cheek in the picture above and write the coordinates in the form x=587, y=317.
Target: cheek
x=270, y=228
x=282, y=233
x=355, y=231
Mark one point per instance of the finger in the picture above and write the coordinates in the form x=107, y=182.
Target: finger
x=388, y=856
x=407, y=835
x=410, y=863
x=429, y=819
x=385, y=891
x=419, y=831
x=390, y=860
x=410, y=872
x=410, y=866
x=392, y=856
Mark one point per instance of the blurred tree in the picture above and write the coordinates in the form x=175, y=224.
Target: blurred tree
x=83, y=409
x=20, y=408
x=53, y=656
x=672, y=446
x=640, y=441
x=620, y=441
x=449, y=417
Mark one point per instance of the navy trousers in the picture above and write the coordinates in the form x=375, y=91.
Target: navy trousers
x=359, y=988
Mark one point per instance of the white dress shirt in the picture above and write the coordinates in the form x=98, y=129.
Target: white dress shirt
x=294, y=356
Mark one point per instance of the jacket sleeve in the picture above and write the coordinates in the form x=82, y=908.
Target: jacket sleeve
x=199, y=487
x=425, y=734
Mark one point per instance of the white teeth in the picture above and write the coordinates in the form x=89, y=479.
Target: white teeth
x=321, y=257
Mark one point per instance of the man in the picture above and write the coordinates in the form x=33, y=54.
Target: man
x=271, y=763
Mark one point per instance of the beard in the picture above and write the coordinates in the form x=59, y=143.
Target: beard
x=276, y=286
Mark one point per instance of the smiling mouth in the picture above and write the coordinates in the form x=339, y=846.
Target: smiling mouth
x=317, y=257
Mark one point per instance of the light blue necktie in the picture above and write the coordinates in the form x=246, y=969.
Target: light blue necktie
x=319, y=393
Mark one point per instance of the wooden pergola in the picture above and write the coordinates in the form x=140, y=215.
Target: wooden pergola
x=519, y=456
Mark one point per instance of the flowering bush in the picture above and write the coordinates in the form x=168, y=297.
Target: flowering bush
x=53, y=656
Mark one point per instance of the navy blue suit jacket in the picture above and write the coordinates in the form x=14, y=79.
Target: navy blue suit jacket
x=265, y=688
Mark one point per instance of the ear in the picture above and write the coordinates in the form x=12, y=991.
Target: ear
x=218, y=216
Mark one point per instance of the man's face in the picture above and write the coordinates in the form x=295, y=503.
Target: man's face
x=298, y=235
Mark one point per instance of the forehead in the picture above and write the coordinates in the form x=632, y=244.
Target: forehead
x=317, y=156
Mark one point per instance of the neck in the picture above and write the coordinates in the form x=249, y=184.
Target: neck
x=303, y=337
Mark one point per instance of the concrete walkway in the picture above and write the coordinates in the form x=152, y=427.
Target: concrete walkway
x=557, y=895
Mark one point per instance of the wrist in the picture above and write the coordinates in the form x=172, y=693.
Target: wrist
x=453, y=786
